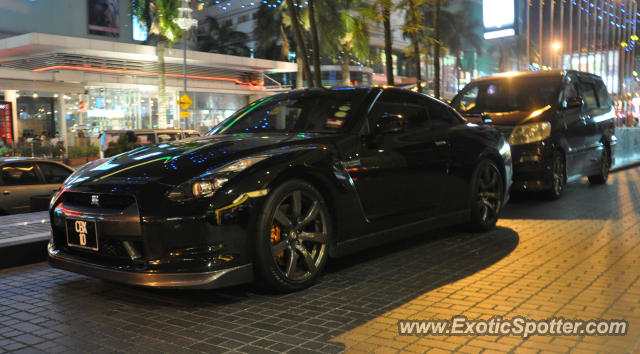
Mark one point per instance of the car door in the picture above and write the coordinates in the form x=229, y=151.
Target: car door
x=590, y=112
x=19, y=183
x=573, y=125
x=400, y=170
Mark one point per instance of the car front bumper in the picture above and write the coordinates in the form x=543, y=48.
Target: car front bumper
x=202, y=280
x=532, y=166
x=202, y=251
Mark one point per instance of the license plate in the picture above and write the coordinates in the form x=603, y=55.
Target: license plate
x=82, y=234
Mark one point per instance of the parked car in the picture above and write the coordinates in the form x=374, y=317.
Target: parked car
x=560, y=125
x=27, y=182
x=277, y=188
x=145, y=136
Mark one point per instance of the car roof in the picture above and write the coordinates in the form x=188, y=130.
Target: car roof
x=358, y=88
x=149, y=130
x=534, y=74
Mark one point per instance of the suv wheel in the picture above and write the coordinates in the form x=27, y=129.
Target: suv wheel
x=558, y=177
x=605, y=166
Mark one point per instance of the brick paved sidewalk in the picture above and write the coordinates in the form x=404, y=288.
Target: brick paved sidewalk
x=575, y=257
x=582, y=262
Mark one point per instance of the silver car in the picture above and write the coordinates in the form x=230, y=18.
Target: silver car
x=27, y=183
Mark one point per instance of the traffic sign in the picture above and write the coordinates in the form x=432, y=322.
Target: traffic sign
x=185, y=102
x=184, y=114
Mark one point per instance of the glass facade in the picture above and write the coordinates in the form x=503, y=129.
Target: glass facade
x=99, y=109
x=209, y=109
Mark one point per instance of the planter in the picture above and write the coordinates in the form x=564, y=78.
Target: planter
x=73, y=161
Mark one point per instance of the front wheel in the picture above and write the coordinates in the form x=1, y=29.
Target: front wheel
x=487, y=194
x=292, y=237
x=605, y=166
x=557, y=177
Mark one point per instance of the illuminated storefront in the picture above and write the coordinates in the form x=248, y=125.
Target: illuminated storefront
x=71, y=97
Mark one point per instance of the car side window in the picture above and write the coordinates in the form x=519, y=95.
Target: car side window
x=19, y=174
x=468, y=99
x=408, y=110
x=603, y=96
x=440, y=115
x=570, y=91
x=588, y=93
x=53, y=173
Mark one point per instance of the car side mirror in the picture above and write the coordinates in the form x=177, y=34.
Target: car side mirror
x=575, y=102
x=390, y=124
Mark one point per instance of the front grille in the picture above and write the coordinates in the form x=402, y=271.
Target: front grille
x=105, y=201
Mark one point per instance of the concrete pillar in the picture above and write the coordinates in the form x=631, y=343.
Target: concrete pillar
x=12, y=96
x=62, y=121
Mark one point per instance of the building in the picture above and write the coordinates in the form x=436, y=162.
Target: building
x=70, y=69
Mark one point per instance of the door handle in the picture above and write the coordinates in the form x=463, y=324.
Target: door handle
x=6, y=192
x=440, y=142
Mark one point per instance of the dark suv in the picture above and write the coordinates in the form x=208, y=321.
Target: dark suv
x=560, y=125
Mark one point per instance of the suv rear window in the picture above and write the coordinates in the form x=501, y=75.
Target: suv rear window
x=603, y=96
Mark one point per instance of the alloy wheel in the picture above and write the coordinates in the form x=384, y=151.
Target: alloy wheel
x=298, y=235
x=489, y=193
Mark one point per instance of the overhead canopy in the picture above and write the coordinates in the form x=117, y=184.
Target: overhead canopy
x=39, y=53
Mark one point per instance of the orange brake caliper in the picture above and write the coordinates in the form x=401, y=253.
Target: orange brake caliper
x=275, y=238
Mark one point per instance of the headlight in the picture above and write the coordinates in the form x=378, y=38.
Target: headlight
x=207, y=184
x=530, y=133
x=55, y=196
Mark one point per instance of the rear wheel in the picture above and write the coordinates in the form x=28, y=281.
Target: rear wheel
x=605, y=166
x=293, y=234
x=487, y=194
x=558, y=177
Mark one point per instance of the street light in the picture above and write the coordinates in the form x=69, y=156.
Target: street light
x=555, y=47
x=185, y=22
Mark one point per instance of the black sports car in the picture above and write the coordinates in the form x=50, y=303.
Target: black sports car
x=278, y=187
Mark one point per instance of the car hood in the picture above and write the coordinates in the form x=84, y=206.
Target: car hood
x=513, y=117
x=176, y=162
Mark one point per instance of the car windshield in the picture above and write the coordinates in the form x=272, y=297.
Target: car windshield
x=507, y=94
x=327, y=112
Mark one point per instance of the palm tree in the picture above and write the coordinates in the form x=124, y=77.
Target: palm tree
x=436, y=49
x=414, y=29
x=270, y=34
x=513, y=48
x=380, y=11
x=297, y=31
x=315, y=47
x=459, y=29
x=158, y=18
x=222, y=40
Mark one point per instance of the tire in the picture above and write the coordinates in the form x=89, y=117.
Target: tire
x=487, y=194
x=605, y=166
x=292, y=242
x=558, y=177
